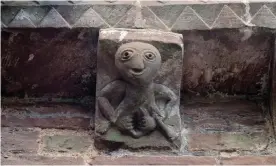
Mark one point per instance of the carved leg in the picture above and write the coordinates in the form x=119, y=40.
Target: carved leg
x=169, y=131
x=106, y=109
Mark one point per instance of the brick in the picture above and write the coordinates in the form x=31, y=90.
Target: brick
x=227, y=141
x=19, y=141
x=66, y=143
x=249, y=160
x=41, y=160
x=153, y=160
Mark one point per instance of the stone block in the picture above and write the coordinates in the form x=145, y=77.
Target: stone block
x=19, y=141
x=65, y=144
x=227, y=141
x=138, y=87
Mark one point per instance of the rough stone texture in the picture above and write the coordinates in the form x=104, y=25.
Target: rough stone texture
x=170, y=47
x=66, y=143
x=164, y=15
x=228, y=142
x=46, y=116
x=273, y=87
x=41, y=160
x=233, y=61
x=215, y=115
x=19, y=141
x=48, y=63
x=230, y=61
x=153, y=160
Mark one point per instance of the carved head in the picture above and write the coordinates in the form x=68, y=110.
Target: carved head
x=138, y=62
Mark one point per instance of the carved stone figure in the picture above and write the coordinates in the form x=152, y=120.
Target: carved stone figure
x=132, y=103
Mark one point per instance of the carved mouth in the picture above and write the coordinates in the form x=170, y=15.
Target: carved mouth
x=137, y=72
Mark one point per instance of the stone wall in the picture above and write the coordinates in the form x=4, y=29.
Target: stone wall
x=61, y=63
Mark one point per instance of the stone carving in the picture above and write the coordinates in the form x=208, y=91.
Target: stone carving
x=174, y=16
x=132, y=104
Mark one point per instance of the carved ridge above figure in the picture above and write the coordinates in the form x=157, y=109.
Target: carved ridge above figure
x=163, y=15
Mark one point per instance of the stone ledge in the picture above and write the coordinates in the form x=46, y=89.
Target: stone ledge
x=51, y=116
x=154, y=160
x=41, y=160
x=172, y=15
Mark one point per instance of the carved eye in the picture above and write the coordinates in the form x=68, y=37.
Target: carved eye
x=149, y=56
x=126, y=55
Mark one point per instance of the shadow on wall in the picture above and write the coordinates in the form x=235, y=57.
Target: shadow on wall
x=62, y=62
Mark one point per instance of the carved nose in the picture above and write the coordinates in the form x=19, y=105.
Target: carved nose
x=138, y=64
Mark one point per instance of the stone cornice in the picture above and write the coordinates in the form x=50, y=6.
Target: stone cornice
x=163, y=15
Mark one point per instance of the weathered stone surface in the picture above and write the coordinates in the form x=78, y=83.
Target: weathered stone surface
x=151, y=21
x=154, y=160
x=46, y=116
x=112, y=13
x=41, y=160
x=227, y=19
x=229, y=115
x=227, y=141
x=158, y=56
x=53, y=19
x=128, y=20
x=229, y=62
x=168, y=18
x=72, y=13
x=91, y=19
x=208, y=12
x=22, y=19
x=68, y=61
x=48, y=63
x=273, y=87
x=18, y=141
x=264, y=18
x=221, y=14
x=188, y=19
x=249, y=160
x=66, y=143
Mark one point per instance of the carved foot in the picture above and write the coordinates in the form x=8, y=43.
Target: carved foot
x=103, y=127
x=172, y=135
x=125, y=123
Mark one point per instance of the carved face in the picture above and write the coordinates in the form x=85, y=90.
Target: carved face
x=138, y=62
